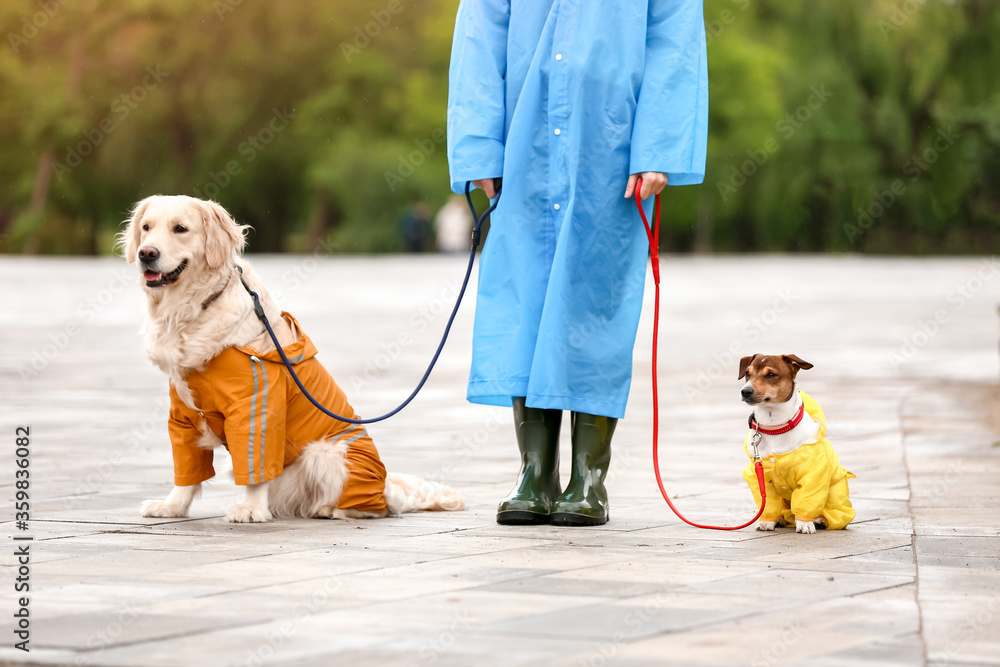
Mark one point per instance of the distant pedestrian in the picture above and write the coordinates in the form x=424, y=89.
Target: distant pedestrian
x=453, y=226
x=414, y=226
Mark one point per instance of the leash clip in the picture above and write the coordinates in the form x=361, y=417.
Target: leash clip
x=754, y=441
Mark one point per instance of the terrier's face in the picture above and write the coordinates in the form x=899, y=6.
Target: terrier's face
x=770, y=378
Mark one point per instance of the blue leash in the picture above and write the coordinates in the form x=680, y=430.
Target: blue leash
x=476, y=236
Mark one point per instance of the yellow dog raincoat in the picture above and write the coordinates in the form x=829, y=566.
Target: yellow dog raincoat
x=247, y=398
x=808, y=480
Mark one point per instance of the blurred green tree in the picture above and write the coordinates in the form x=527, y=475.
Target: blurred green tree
x=846, y=127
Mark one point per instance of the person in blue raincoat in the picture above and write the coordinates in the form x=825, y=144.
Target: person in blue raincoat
x=569, y=102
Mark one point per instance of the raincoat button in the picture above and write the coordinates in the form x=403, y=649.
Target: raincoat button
x=556, y=207
x=772, y=459
x=558, y=132
x=558, y=56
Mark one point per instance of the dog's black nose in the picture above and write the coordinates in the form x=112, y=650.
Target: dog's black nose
x=148, y=254
x=746, y=392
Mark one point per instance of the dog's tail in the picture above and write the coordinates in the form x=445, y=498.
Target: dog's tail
x=408, y=493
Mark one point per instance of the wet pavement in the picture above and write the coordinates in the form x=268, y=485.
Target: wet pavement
x=906, y=369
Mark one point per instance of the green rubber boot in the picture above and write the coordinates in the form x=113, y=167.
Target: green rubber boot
x=585, y=501
x=538, y=482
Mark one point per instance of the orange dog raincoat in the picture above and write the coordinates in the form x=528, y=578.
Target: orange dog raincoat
x=248, y=400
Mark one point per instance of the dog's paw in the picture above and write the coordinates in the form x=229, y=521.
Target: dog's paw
x=326, y=512
x=161, y=509
x=806, y=527
x=248, y=514
x=766, y=525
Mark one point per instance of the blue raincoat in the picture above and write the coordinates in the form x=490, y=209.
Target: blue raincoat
x=564, y=99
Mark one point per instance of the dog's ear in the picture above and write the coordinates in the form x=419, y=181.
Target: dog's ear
x=128, y=239
x=745, y=364
x=796, y=363
x=223, y=237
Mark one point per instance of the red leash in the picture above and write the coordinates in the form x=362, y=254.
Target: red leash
x=653, y=233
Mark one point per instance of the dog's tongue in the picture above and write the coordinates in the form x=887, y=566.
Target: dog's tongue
x=151, y=276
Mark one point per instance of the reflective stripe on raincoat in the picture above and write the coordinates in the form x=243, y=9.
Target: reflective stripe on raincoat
x=247, y=399
x=564, y=99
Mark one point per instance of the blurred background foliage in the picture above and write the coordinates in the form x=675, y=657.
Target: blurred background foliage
x=855, y=126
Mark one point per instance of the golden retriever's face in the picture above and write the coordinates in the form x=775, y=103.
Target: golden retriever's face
x=171, y=235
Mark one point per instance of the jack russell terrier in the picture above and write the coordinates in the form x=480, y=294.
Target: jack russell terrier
x=806, y=485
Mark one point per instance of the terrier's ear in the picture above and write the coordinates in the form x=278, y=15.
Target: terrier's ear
x=128, y=239
x=223, y=237
x=796, y=363
x=745, y=364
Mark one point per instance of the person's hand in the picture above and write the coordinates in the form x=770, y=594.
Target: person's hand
x=486, y=185
x=653, y=183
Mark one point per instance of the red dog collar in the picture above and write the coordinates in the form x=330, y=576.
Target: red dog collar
x=781, y=429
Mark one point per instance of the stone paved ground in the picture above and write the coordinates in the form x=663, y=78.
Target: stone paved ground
x=906, y=367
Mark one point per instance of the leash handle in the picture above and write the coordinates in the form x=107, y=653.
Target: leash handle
x=653, y=234
x=258, y=310
x=479, y=220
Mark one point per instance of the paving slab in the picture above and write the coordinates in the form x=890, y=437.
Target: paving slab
x=912, y=410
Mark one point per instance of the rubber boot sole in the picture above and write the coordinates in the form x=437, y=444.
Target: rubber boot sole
x=521, y=518
x=564, y=519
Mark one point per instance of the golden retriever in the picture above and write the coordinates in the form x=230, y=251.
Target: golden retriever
x=200, y=316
